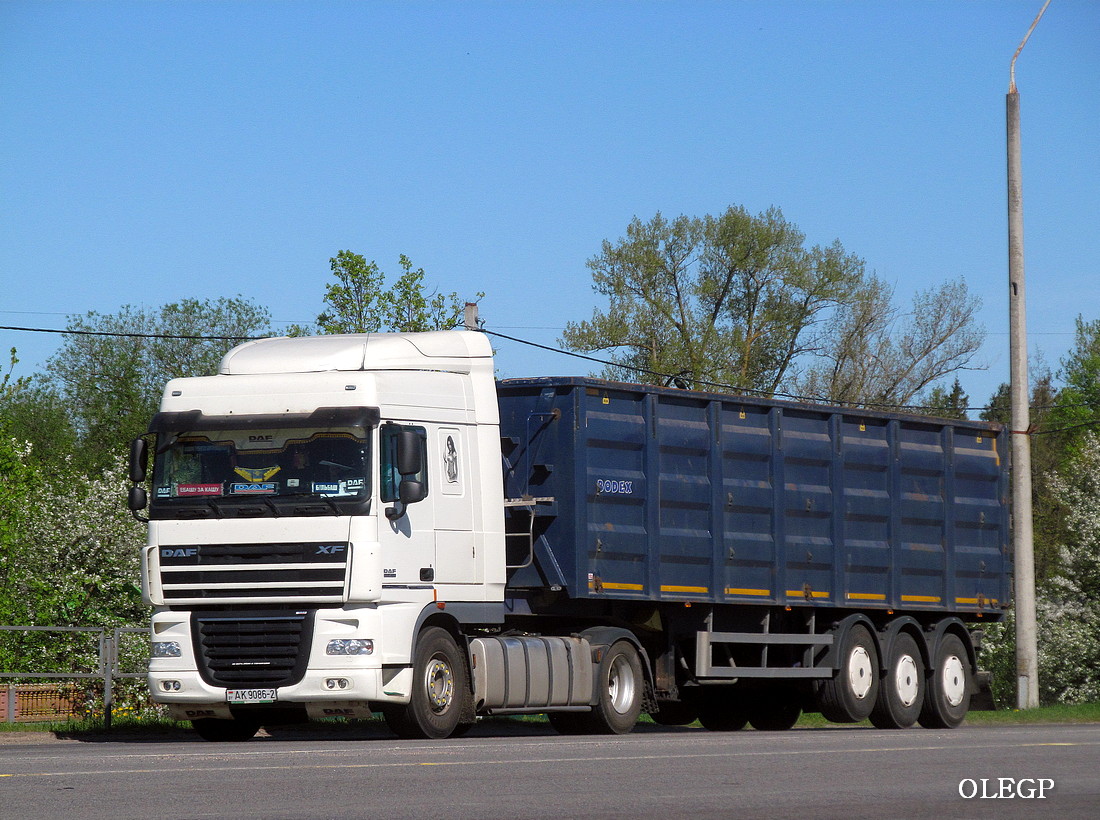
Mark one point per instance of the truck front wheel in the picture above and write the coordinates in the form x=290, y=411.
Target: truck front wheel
x=439, y=687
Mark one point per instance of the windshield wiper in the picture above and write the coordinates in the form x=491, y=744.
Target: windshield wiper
x=341, y=466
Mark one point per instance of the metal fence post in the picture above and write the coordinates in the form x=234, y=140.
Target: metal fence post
x=11, y=702
x=107, y=659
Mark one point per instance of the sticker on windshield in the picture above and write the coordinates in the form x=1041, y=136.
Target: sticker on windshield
x=267, y=488
x=352, y=486
x=257, y=474
x=185, y=490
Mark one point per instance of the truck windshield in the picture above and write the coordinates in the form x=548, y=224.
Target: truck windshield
x=210, y=468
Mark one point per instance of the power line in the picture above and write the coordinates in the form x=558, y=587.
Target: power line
x=670, y=377
x=120, y=335
x=667, y=377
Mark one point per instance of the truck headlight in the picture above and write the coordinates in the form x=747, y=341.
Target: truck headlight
x=166, y=649
x=350, y=646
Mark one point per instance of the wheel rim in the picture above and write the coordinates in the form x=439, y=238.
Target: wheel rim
x=954, y=680
x=906, y=682
x=440, y=685
x=860, y=677
x=620, y=685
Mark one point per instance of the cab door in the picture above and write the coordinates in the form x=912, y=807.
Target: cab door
x=407, y=520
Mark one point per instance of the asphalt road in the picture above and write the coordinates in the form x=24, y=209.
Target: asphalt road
x=529, y=772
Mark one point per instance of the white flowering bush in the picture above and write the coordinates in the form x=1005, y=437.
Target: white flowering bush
x=69, y=556
x=1068, y=605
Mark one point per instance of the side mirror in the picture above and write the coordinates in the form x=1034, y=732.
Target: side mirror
x=408, y=452
x=139, y=459
x=409, y=491
x=138, y=499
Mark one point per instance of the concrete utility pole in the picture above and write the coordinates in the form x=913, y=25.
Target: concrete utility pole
x=1027, y=652
x=469, y=317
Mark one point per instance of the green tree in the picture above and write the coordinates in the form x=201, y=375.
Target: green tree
x=360, y=301
x=1047, y=457
x=740, y=300
x=1068, y=602
x=948, y=404
x=877, y=354
x=1077, y=409
x=32, y=411
x=19, y=480
x=111, y=369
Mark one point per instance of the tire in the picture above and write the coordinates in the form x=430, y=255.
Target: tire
x=675, y=713
x=439, y=689
x=947, y=696
x=901, y=689
x=775, y=713
x=849, y=696
x=218, y=730
x=719, y=712
x=462, y=729
x=570, y=723
x=620, y=685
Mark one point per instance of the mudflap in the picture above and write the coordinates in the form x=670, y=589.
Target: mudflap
x=982, y=700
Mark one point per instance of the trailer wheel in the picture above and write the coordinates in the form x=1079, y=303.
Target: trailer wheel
x=220, y=730
x=675, y=713
x=947, y=696
x=901, y=689
x=722, y=714
x=439, y=685
x=849, y=696
x=774, y=713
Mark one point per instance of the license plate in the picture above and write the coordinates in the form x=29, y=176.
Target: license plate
x=250, y=695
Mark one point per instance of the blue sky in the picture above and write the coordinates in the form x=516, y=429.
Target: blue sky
x=154, y=151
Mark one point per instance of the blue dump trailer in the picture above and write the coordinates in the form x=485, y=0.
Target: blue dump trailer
x=331, y=534
x=767, y=557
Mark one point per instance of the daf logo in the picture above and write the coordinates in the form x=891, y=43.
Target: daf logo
x=330, y=549
x=189, y=552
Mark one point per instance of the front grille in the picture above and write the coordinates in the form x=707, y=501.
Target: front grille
x=254, y=573
x=253, y=649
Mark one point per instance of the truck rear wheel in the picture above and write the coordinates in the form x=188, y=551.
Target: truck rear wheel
x=220, y=730
x=619, y=691
x=947, y=696
x=901, y=690
x=849, y=696
x=439, y=687
x=619, y=688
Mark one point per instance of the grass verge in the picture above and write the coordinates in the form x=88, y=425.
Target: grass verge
x=1078, y=713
